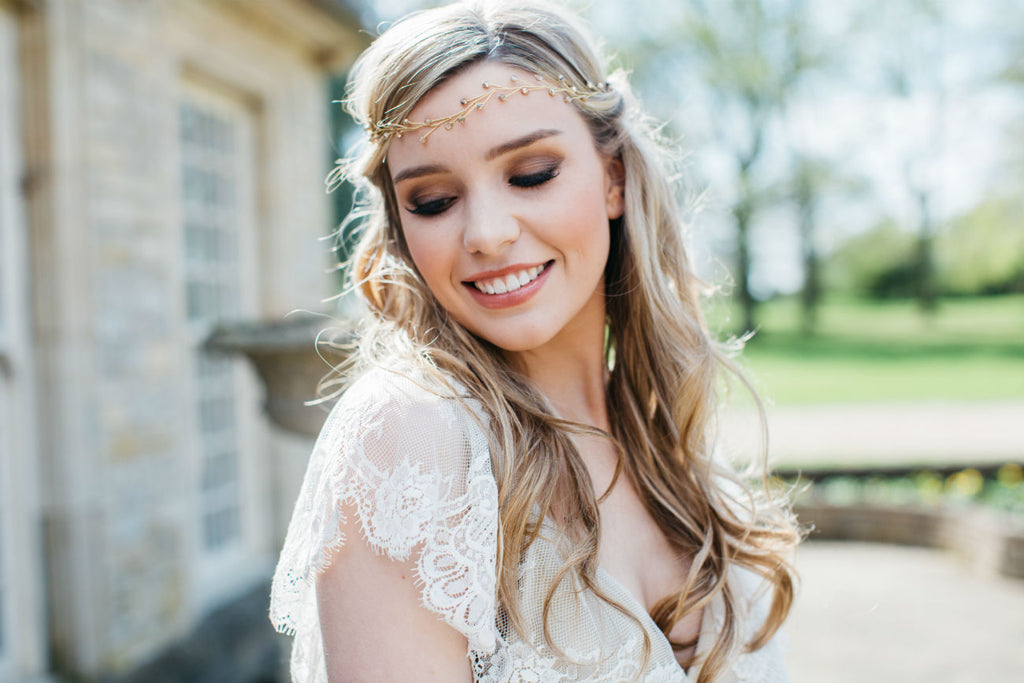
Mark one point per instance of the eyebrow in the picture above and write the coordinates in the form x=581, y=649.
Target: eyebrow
x=494, y=153
x=519, y=143
x=417, y=171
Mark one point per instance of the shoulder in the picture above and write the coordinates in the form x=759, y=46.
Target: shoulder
x=767, y=663
x=410, y=406
x=404, y=446
x=755, y=594
x=398, y=381
x=401, y=467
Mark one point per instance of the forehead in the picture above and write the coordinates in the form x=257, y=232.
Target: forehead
x=506, y=114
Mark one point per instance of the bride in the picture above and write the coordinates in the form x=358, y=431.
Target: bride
x=519, y=483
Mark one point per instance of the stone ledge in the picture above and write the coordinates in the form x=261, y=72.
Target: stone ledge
x=990, y=541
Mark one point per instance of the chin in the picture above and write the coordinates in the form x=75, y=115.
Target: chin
x=517, y=343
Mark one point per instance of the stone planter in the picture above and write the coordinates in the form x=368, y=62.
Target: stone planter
x=291, y=357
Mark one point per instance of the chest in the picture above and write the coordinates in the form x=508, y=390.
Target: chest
x=633, y=548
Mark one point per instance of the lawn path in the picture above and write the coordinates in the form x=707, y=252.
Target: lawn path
x=885, y=434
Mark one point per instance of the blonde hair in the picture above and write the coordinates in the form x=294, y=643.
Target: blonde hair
x=663, y=363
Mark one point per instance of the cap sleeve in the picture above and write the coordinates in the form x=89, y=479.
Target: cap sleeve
x=413, y=463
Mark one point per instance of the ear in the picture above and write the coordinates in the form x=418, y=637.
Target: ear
x=616, y=187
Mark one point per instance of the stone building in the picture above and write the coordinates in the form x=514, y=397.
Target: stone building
x=161, y=171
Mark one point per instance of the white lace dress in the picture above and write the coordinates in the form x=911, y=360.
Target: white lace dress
x=414, y=463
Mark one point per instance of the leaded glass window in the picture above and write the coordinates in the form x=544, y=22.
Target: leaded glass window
x=215, y=155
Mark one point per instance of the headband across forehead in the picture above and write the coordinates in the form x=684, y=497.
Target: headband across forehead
x=385, y=130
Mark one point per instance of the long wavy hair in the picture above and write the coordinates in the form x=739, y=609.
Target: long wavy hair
x=663, y=364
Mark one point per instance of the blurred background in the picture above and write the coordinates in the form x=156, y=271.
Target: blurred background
x=854, y=176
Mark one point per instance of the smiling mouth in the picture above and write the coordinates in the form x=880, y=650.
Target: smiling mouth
x=512, y=281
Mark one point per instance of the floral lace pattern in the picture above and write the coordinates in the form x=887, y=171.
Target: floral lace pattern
x=411, y=461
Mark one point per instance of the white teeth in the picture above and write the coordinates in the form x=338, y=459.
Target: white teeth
x=510, y=282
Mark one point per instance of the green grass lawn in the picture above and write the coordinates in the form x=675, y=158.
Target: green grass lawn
x=970, y=349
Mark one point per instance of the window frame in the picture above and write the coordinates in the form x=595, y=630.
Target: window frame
x=219, y=574
x=21, y=603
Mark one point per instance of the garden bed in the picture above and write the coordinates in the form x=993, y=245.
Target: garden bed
x=976, y=512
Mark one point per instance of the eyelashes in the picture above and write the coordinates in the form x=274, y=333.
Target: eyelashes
x=433, y=207
x=534, y=179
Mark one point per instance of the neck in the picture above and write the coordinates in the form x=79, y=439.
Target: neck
x=570, y=371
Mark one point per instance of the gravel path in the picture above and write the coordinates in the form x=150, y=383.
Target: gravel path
x=883, y=613
x=886, y=614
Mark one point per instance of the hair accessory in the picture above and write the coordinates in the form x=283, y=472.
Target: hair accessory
x=385, y=130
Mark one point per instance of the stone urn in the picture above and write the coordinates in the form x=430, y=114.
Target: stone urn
x=291, y=356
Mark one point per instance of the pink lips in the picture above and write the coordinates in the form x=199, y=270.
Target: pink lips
x=508, y=299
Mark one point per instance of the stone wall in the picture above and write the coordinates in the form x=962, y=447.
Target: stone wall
x=119, y=445
x=990, y=541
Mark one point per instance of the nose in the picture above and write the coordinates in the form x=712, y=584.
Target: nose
x=490, y=226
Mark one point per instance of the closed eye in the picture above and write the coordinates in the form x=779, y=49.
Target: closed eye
x=533, y=179
x=432, y=207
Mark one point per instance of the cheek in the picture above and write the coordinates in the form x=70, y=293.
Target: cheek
x=584, y=228
x=431, y=258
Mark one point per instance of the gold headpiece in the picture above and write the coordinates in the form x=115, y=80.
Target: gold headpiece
x=384, y=130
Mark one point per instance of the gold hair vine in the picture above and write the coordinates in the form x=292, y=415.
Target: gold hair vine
x=384, y=130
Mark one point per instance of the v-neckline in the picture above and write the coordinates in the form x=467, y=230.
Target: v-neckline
x=640, y=612
x=654, y=631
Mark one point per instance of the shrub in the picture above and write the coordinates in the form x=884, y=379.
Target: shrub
x=978, y=253
x=982, y=252
x=877, y=263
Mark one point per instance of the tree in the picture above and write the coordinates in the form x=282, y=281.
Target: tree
x=807, y=179
x=738, y=56
x=913, y=34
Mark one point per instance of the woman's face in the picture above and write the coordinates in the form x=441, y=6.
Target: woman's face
x=506, y=214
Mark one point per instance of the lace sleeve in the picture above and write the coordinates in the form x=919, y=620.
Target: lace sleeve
x=414, y=465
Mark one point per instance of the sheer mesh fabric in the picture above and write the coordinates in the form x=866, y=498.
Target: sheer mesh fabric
x=413, y=462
